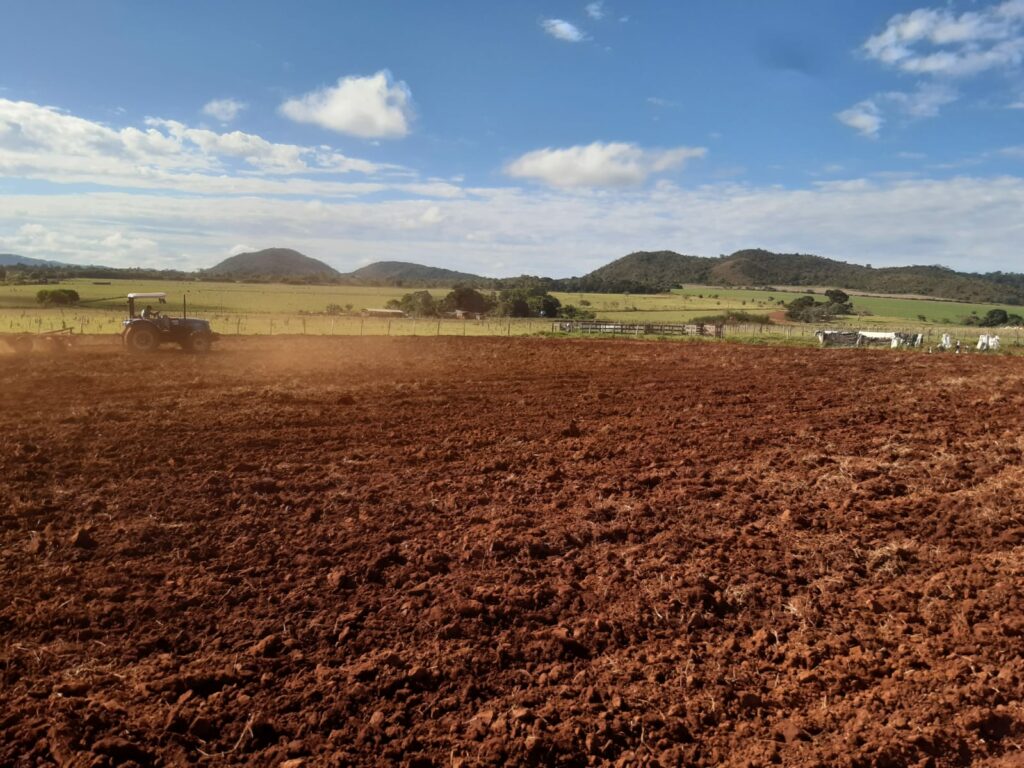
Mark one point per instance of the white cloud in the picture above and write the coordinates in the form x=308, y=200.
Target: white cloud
x=563, y=30
x=595, y=10
x=40, y=142
x=173, y=196
x=864, y=117
x=373, y=107
x=658, y=101
x=225, y=110
x=240, y=248
x=615, y=164
x=925, y=101
x=968, y=223
x=867, y=116
x=936, y=41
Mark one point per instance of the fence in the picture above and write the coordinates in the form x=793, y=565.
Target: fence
x=105, y=321
x=101, y=321
x=638, y=329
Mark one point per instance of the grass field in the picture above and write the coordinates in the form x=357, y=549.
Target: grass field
x=694, y=301
x=239, y=308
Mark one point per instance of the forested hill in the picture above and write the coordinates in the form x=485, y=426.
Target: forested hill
x=11, y=259
x=662, y=270
x=640, y=272
x=272, y=263
x=406, y=273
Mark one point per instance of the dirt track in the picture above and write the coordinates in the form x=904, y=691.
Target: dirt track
x=488, y=551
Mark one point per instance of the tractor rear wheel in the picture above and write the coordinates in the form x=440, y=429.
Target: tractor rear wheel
x=198, y=343
x=142, y=338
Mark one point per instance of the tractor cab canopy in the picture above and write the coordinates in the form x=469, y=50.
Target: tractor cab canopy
x=161, y=297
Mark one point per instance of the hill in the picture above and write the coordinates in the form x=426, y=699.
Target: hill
x=662, y=270
x=10, y=259
x=406, y=273
x=272, y=264
x=646, y=271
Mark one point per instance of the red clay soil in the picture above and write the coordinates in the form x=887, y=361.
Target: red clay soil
x=461, y=552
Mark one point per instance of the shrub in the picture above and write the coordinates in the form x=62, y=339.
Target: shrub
x=734, y=316
x=58, y=297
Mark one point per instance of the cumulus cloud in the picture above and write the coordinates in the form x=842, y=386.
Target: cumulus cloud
x=864, y=117
x=937, y=41
x=41, y=142
x=563, y=30
x=867, y=116
x=225, y=110
x=615, y=164
x=373, y=107
x=595, y=10
x=925, y=101
x=970, y=223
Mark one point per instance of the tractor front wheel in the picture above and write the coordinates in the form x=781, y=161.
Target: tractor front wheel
x=198, y=343
x=141, y=339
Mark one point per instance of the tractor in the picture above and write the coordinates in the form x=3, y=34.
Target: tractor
x=146, y=330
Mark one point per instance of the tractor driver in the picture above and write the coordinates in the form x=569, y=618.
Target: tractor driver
x=149, y=313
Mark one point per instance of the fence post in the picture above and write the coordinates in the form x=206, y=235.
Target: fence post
x=361, y=321
x=389, y=327
x=509, y=333
x=438, y=326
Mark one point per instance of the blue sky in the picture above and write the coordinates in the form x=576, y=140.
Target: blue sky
x=501, y=138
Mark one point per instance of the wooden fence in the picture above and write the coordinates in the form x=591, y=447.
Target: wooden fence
x=638, y=329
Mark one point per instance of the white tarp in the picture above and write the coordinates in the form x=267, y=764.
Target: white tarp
x=988, y=342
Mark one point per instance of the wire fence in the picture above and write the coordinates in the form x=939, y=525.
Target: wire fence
x=105, y=321
x=238, y=324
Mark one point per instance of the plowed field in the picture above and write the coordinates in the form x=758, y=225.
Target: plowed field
x=461, y=552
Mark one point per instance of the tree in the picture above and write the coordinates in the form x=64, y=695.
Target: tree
x=544, y=305
x=805, y=309
x=995, y=318
x=466, y=299
x=417, y=304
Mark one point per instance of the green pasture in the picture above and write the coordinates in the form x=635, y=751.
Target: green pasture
x=245, y=298
x=104, y=321
x=685, y=303
x=241, y=308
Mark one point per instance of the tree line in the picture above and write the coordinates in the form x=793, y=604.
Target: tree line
x=533, y=301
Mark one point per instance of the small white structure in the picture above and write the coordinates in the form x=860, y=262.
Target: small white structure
x=946, y=342
x=988, y=342
x=837, y=338
x=889, y=338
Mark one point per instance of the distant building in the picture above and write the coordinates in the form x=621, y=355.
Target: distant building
x=465, y=314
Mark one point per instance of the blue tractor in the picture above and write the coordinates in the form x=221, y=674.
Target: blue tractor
x=146, y=330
